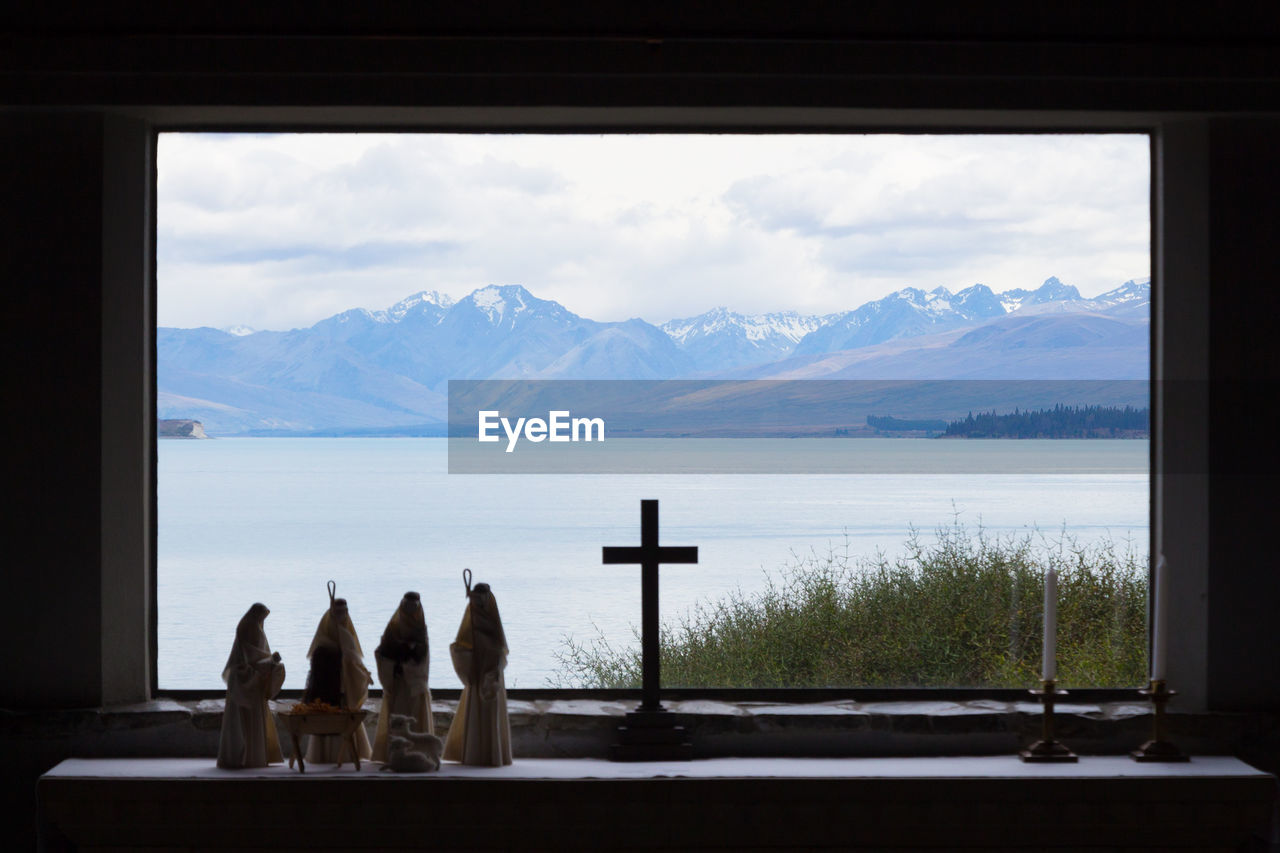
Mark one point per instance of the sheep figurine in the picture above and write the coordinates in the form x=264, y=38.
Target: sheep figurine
x=411, y=752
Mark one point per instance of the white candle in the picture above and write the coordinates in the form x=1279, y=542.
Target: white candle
x=1050, y=625
x=1160, y=628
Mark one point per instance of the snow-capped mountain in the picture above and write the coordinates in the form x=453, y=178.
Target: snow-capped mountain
x=421, y=309
x=907, y=313
x=1131, y=299
x=1041, y=345
x=1052, y=290
x=389, y=368
x=363, y=368
x=721, y=339
x=501, y=333
x=429, y=303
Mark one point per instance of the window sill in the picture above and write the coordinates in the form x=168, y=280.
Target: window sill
x=584, y=728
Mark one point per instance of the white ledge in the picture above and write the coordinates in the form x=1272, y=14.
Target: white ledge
x=958, y=767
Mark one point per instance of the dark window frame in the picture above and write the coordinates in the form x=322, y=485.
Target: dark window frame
x=1144, y=126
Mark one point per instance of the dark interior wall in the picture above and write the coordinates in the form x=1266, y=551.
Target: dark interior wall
x=1244, y=265
x=222, y=60
x=925, y=54
x=51, y=235
x=128, y=448
x=63, y=245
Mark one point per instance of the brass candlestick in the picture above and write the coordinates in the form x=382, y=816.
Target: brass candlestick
x=1158, y=749
x=1048, y=749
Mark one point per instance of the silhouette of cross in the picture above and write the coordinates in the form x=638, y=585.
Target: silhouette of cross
x=649, y=555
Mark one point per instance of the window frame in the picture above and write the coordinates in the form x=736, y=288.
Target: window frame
x=854, y=122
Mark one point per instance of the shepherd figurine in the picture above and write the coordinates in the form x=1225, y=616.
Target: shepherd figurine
x=404, y=661
x=481, y=732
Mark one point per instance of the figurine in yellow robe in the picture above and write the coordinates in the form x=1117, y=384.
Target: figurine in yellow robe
x=338, y=676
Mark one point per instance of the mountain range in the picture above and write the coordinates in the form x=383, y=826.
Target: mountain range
x=366, y=371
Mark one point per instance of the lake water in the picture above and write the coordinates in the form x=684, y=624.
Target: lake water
x=271, y=520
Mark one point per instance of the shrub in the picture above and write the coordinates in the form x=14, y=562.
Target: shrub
x=964, y=610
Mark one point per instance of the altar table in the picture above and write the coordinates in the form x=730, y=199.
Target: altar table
x=993, y=802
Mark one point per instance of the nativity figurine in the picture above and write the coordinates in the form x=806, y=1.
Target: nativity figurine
x=254, y=675
x=403, y=659
x=481, y=732
x=338, y=677
x=409, y=751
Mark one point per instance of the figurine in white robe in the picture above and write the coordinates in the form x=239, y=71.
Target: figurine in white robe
x=254, y=675
x=337, y=645
x=481, y=732
x=404, y=661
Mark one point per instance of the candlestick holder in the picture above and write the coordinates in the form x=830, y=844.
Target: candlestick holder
x=1048, y=749
x=1158, y=748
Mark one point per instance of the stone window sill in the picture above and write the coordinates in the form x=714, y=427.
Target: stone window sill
x=579, y=727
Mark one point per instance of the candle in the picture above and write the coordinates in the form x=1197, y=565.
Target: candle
x=1050, y=625
x=1160, y=628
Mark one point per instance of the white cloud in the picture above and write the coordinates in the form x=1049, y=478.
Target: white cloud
x=279, y=231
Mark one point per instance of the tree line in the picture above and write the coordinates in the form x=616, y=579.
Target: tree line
x=888, y=423
x=1059, y=422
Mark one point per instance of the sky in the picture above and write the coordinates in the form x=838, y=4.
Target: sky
x=279, y=231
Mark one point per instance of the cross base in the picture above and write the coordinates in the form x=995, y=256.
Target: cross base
x=1158, y=750
x=651, y=735
x=1048, y=752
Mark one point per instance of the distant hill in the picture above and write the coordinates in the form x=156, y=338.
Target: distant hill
x=386, y=372
x=179, y=428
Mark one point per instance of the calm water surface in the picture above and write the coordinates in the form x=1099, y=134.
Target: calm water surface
x=271, y=520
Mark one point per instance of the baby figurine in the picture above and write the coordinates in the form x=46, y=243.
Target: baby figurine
x=411, y=752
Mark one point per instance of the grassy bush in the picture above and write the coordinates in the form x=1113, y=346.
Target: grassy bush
x=964, y=610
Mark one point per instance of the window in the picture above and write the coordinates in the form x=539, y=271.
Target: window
x=297, y=234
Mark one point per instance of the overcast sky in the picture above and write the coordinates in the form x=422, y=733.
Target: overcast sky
x=280, y=231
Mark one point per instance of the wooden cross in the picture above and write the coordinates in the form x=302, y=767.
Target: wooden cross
x=649, y=555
